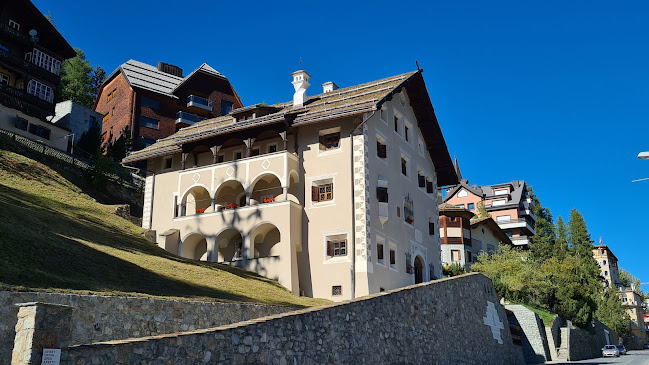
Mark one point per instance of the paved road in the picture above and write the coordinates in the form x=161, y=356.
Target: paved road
x=638, y=357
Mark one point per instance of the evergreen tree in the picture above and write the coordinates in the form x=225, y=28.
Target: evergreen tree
x=611, y=312
x=90, y=140
x=98, y=78
x=543, y=242
x=76, y=80
x=561, y=242
x=482, y=211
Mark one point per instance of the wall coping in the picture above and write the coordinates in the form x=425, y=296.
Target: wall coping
x=44, y=304
x=272, y=317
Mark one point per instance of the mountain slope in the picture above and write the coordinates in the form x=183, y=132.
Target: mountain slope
x=54, y=237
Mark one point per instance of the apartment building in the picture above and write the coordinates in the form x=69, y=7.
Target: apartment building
x=155, y=102
x=608, y=265
x=509, y=204
x=31, y=52
x=462, y=237
x=333, y=195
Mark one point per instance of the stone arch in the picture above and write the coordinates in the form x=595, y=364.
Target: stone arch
x=196, y=199
x=194, y=246
x=265, y=185
x=228, y=192
x=229, y=242
x=264, y=239
x=420, y=268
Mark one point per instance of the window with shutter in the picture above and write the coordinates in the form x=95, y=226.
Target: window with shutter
x=315, y=193
x=326, y=192
x=382, y=194
x=330, y=248
x=329, y=141
x=336, y=248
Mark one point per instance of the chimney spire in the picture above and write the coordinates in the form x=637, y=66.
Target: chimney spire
x=300, y=83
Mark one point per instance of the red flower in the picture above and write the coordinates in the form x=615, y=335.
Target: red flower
x=200, y=210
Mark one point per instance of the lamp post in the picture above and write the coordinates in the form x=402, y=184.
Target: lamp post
x=71, y=144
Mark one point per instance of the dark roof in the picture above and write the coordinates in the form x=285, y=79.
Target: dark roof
x=339, y=103
x=49, y=36
x=451, y=210
x=204, y=69
x=487, y=191
x=493, y=226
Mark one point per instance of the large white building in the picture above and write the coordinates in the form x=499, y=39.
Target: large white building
x=333, y=195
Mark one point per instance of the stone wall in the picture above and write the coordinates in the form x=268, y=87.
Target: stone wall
x=450, y=321
x=588, y=344
x=104, y=318
x=534, y=340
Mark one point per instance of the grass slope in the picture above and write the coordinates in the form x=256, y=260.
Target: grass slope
x=53, y=237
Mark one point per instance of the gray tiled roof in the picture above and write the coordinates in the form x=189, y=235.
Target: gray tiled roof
x=204, y=68
x=148, y=77
x=488, y=191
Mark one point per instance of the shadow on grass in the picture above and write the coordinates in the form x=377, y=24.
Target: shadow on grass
x=40, y=250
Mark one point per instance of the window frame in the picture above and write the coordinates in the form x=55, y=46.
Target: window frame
x=319, y=195
x=147, y=122
x=148, y=105
x=22, y=121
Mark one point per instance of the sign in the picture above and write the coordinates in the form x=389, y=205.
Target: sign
x=51, y=357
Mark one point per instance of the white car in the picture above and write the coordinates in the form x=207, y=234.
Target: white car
x=610, y=350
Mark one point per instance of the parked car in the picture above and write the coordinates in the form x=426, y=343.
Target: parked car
x=646, y=346
x=622, y=349
x=610, y=350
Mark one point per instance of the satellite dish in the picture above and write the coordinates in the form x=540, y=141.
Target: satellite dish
x=33, y=32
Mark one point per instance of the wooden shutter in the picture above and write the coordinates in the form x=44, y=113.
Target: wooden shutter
x=315, y=193
x=323, y=142
x=330, y=248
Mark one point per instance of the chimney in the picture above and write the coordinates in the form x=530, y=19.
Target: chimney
x=300, y=83
x=170, y=69
x=329, y=86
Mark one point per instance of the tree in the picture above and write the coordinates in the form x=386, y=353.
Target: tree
x=453, y=269
x=76, y=80
x=98, y=78
x=628, y=280
x=482, y=211
x=611, y=312
x=90, y=140
x=543, y=242
x=561, y=242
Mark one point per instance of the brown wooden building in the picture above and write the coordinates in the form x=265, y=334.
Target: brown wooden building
x=155, y=102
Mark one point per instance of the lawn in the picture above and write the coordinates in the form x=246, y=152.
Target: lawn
x=54, y=237
x=546, y=316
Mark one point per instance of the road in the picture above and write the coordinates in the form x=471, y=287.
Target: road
x=637, y=357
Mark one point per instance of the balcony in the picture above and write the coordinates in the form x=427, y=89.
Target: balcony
x=187, y=118
x=517, y=223
x=197, y=101
x=14, y=33
x=520, y=240
x=28, y=67
x=21, y=100
x=527, y=212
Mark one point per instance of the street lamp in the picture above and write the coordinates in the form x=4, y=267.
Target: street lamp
x=71, y=144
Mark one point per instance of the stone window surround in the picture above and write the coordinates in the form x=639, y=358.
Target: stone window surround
x=386, y=259
x=318, y=180
x=336, y=234
x=333, y=151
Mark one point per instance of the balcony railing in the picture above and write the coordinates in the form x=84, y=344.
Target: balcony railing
x=197, y=101
x=21, y=100
x=187, y=118
x=16, y=33
x=27, y=66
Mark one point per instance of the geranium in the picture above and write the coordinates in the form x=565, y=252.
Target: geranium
x=200, y=210
x=269, y=200
x=232, y=206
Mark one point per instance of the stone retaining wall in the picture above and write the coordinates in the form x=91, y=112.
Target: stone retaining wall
x=588, y=344
x=450, y=321
x=105, y=318
x=534, y=340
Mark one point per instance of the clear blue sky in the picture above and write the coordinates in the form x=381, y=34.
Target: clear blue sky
x=552, y=92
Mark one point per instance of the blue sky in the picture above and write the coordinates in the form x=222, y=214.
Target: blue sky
x=552, y=92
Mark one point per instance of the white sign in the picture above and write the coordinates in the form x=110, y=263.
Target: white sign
x=51, y=357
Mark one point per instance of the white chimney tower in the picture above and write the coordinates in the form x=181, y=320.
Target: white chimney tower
x=300, y=83
x=329, y=86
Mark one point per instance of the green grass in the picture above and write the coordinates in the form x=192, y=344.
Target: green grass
x=546, y=316
x=54, y=237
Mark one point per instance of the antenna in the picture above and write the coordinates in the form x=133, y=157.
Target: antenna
x=418, y=68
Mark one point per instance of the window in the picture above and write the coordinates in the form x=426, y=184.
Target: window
x=468, y=256
x=21, y=123
x=146, y=142
x=40, y=131
x=462, y=194
x=406, y=131
x=149, y=102
x=40, y=90
x=393, y=256
x=112, y=94
x=4, y=79
x=429, y=186
x=396, y=124
x=380, y=243
x=421, y=147
x=336, y=248
x=322, y=192
x=384, y=114
x=408, y=210
x=330, y=141
x=105, y=118
x=496, y=203
x=459, y=206
x=219, y=158
x=226, y=107
x=336, y=290
x=431, y=227
x=421, y=179
x=605, y=273
x=254, y=152
x=14, y=25
x=382, y=194
x=272, y=148
x=470, y=206
x=381, y=148
x=238, y=155
x=503, y=218
x=501, y=192
x=603, y=262
x=45, y=61
x=167, y=163
x=404, y=166
x=455, y=255
x=148, y=122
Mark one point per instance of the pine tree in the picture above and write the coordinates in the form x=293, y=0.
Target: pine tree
x=76, y=80
x=611, y=312
x=482, y=211
x=543, y=242
x=561, y=242
x=98, y=78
